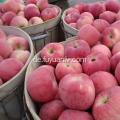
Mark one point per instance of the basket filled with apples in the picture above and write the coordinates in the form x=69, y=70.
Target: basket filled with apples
x=36, y=17
x=16, y=51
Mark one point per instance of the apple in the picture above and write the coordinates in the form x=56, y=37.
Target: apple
x=31, y=10
x=100, y=24
x=103, y=49
x=20, y=1
x=21, y=8
x=10, y=36
x=97, y=8
x=77, y=91
x=118, y=16
x=21, y=55
x=87, y=14
x=117, y=72
x=1, y=7
x=52, y=52
x=95, y=62
x=42, y=85
x=35, y=21
x=1, y=14
x=77, y=49
x=103, y=80
x=2, y=35
x=113, y=5
x=1, y=22
x=116, y=24
x=56, y=10
x=87, y=7
x=75, y=115
x=21, y=13
x=87, y=33
x=73, y=25
x=51, y=110
x=72, y=10
x=7, y=17
x=108, y=16
x=67, y=66
x=79, y=6
x=111, y=36
x=9, y=68
x=116, y=48
x=1, y=58
x=5, y=48
x=48, y=13
x=107, y=104
x=43, y=4
x=31, y=2
x=1, y=82
x=19, y=21
x=18, y=43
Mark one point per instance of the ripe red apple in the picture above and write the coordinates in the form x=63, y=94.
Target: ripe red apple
x=95, y=62
x=103, y=80
x=35, y=21
x=75, y=115
x=72, y=17
x=51, y=110
x=21, y=55
x=18, y=43
x=108, y=16
x=1, y=82
x=21, y=8
x=2, y=35
x=103, y=49
x=77, y=49
x=73, y=25
x=43, y=4
x=87, y=33
x=48, y=14
x=100, y=24
x=77, y=91
x=116, y=48
x=31, y=2
x=79, y=6
x=42, y=85
x=7, y=17
x=117, y=72
x=97, y=8
x=19, y=21
x=72, y=10
x=113, y=5
x=67, y=66
x=107, y=104
x=87, y=14
x=5, y=49
x=21, y=13
x=111, y=36
x=1, y=58
x=9, y=68
x=87, y=7
x=31, y=10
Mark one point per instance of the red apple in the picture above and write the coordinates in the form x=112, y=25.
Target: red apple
x=31, y=2
x=1, y=7
x=103, y=80
x=51, y=110
x=20, y=1
x=95, y=62
x=79, y=6
x=42, y=85
x=2, y=35
x=72, y=10
x=73, y=25
x=87, y=14
x=9, y=68
x=116, y=48
x=1, y=14
x=118, y=16
x=31, y=10
x=75, y=115
x=1, y=82
x=117, y=72
x=87, y=33
x=1, y=22
x=1, y=58
x=56, y=10
x=21, y=13
x=107, y=104
x=87, y=7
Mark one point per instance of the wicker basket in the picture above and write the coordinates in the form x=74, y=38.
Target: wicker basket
x=11, y=91
x=29, y=105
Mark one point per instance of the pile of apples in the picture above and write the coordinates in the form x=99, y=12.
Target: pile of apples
x=100, y=14
x=19, y=14
x=14, y=52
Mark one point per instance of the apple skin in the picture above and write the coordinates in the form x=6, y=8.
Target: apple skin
x=103, y=49
x=19, y=21
x=51, y=110
x=87, y=7
x=5, y=48
x=75, y=115
x=78, y=88
x=103, y=80
x=31, y=2
x=1, y=82
x=72, y=17
x=42, y=76
x=108, y=16
x=1, y=58
x=77, y=49
x=107, y=104
x=21, y=13
x=35, y=21
x=2, y=35
x=73, y=25
x=72, y=10
x=79, y=6
x=18, y=43
x=97, y=8
x=1, y=7
x=56, y=10
x=113, y=5
x=21, y=55
x=1, y=22
x=110, y=37
x=117, y=72
x=67, y=66
x=52, y=52
x=96, y=59
x=9, y=68
x=100, y=24
x=48, y=13
x=87, y=32
x=31, y=10
x=7, y=17
x=87, y=14
x=116, y=48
